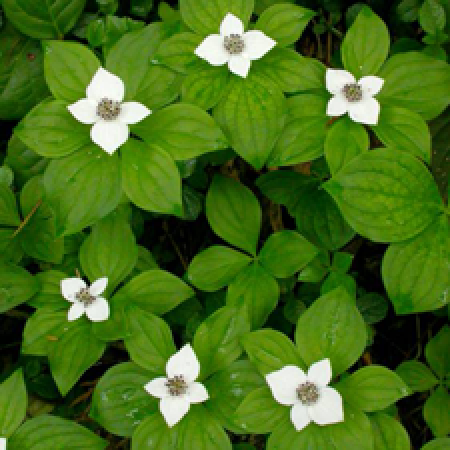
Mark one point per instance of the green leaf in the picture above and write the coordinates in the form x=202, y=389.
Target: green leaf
x=284, y=22
x=228, y=387
x=255, y=288
x=45, y=432
x=388, y=433
x=290, y=71
x=8, y=207
x=74, y=352
x=69, y=68
x=385, y=195
x=333, y=328
x=366, y=44
x=216, y=341
x=319, y=219
x=204, y=85
x=49, y=20
x=10, y=248
x=13, y=403
x=155, y=291
x=24, y=162
x=437, y=444
x=404, y=130
x=150, y=177
x=38, y=236
x=150, y=343
x=417, y=376
x=109, y=251
x=336, y=279
x=425, y=92
x=432, y=17
x=130, y=57
x=233, y=213
x=159, y=87
x=177, y=52
x=82, y=188
x=50, y=130
x=49, y=295
x=141, y=8
x=43, y=328
x=436, y=412
x=271, y=350
x=183, y=131
x=259, y=413
x=252, y=114
x=344, y=141
x=372, y=388
x=205, y=18
x=415, y=272
x=22, y=83
x=285, y=253
x=303, y=137
x=16, y=286
x=216, y=267
x=201, y=431
x=153, y=434
x=373, y=307
x=120, y=402
x=354, y=432
x=436, y=352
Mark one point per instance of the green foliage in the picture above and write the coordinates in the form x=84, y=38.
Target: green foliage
x=238, y=217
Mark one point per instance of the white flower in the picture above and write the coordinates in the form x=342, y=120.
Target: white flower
x=353, y=97
x=2, y=443
x=85, y=299
x=308, y=394
x=179, y=389
x=104, y=109
x=234, y=47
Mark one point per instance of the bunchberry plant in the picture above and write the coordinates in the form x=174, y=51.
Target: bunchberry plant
x=224, y=225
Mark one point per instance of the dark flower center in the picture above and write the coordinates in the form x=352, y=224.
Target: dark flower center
x=176, y=386
x=108, y=109
x=352, y=92
x=234, y=44
x=308, y=393
x=85, y=297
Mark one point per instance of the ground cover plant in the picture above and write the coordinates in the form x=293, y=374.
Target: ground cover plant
x=224, y=225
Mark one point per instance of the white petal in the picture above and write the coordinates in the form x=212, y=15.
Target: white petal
x=2, y=443
x=365, y=111
x=284, y=383
x=257, y=44
x=328, y=408
x=133, y=112
x=197, y=393
x=320, y=372
x=173, y=409
x=239, y=65
x=336, y=79
x=371, y=85
x=157, y=387
x=299, y=416
x=110, y=135
x=70, y=287
x=75, y=312
x=98, y=286
x=211, y=49
x=84, y=110
x=184, y=363
x=104, y=84
x=231, y=25
x=98, y=311
x=337, y=106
